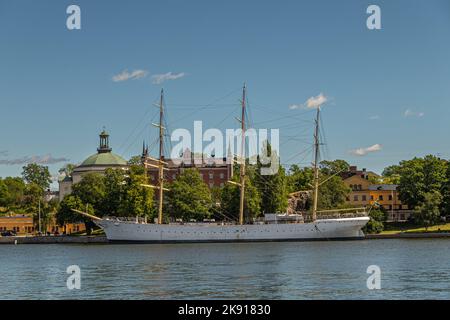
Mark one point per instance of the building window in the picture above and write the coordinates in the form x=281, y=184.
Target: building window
x=355, y=198
x=380, y=198
x=211, y=175
x=390, y=197
x=222, y=176
x=359, y=187
x=364, y=197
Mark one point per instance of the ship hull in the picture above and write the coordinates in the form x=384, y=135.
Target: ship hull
x=329, y=229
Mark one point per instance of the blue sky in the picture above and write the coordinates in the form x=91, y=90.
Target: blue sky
x=388, y=87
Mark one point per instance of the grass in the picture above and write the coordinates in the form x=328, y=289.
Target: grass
x=409, y=228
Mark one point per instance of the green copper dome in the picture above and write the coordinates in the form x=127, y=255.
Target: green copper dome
x=102, y=159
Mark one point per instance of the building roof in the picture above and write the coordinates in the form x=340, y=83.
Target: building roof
x=391, y=187
x=353, y=170
x=104, y=156
x=104, y=159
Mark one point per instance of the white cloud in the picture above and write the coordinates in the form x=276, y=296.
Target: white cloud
x=160, y=78
x=410, y=113
x=364, y=151
x=375, y=117
x=311, y=103
x=125, y=75
x=46, y=159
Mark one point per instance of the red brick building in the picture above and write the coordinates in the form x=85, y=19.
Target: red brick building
x=214, y=171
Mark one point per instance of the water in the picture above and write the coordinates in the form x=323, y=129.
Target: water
x=410, y=269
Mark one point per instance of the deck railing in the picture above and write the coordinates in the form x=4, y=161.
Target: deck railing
x=338, y=214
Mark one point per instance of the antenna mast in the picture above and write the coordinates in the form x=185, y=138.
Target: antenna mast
x=316, y=166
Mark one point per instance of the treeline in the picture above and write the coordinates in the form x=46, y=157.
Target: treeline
x=26, y=194
x=424, y=185
x=120, y=193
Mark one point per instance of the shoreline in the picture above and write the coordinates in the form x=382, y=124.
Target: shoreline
x=54, y=240
x=103, y=240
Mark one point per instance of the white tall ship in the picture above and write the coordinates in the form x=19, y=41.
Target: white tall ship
x=320, y=225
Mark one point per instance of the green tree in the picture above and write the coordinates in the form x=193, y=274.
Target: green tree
x=4, y=194
x=391, y=174
x=419, y=176
x=271, y=187
x=33, y=198
x=376, y=222
x=67, y=170
x=446, y=192
x=299, y=179
x=114, y=182
x=333, y=167
x=230, y=198
x=189, y=197
x=66, y=215
x=137, y=200
x=135, y=161
x=427, y=212
x=332, y=193
x=91, y=190
x=37, y=174
x=16, y=190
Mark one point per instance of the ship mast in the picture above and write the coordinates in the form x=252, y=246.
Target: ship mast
x=242, y=167
x=161, y=155
x=160, y=161
x=316, y=165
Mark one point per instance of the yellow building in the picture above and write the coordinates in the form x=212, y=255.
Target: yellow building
x=363, y=193
x=24, y=225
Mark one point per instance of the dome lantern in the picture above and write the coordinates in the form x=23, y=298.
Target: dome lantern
x=104, y=142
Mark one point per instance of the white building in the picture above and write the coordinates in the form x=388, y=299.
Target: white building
x=98, y=162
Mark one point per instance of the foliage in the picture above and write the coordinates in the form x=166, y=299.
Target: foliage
x=91, y=191
x=329, y=168
x=13, y=195
x=272, y=188
x=427, y=212
x=332, y=193
x=376, y=222
x=420, y=176
x=135, y=161
x=136, y=199
x=116, y=193
x=446, y=193
x=391, y=174
x=189, y=197
x=67, y=170
x=37, y=174
x=65, y=213
x=299, y=179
